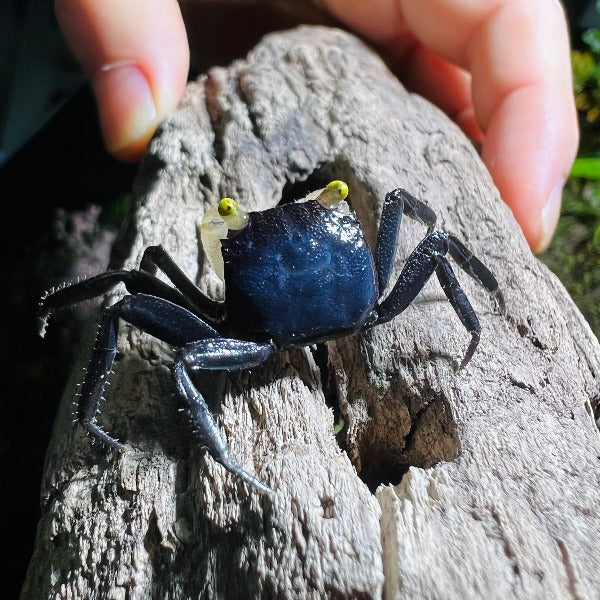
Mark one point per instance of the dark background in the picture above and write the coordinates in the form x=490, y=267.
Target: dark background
x=53, y=168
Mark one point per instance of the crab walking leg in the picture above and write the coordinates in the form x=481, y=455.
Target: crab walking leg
x=136, y=281
x=156, y=257
x=99, y=367
x=87, y=289
x=427, y=257
x=419, y=267
x=397, y=203
x=471, y=265
x=461, y=305
x=217, y=354
x=159, y=317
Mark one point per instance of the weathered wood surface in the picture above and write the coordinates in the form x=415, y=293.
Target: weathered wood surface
x=502, y=498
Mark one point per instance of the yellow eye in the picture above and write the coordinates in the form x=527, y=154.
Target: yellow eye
x=333, y=194
x=228, y=207
x=340, y=186
x=232, y=213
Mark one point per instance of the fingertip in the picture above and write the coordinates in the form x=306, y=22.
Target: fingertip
x=126, y=108
x=529, y=149
x=136, y=57
x=129, y=108
x=549, y=217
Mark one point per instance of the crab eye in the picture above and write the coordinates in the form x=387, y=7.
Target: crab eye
x=332, y=195
x=232, y=213
x=341, y=187
x=227, y=207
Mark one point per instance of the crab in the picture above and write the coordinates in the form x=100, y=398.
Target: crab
x=295, y=275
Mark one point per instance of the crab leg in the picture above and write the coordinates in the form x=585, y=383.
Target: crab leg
x=144, y=281
x=471, y=265
x=429, y=257
x=156, y=257
x=87, y=289
x=462, y=307
x=397, y=203
x=159, y=317
x=419, y=267
x=218, y=354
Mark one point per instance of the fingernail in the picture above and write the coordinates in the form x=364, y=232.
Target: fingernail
x=126, y=105
x=550, y=215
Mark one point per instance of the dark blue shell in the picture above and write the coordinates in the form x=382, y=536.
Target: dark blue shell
x=298, y=273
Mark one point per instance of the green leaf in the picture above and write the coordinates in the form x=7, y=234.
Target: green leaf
x=337, y=427
x=588, y=168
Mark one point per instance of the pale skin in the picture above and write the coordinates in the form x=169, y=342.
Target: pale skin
x=499, y=68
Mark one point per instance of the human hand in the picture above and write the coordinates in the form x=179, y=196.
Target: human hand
x=499, y=68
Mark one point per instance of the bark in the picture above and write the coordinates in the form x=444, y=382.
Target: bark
x=482, y=483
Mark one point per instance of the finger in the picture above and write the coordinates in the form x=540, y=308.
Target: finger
x=521, y=93
x=444, y=84
x=529, y=148
x=420, y=69
x=518, y=56
x=136, y=56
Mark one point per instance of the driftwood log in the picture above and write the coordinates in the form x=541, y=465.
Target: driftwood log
x=482, y=483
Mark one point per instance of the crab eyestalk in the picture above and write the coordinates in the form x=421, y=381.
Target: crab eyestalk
x=333, y=193
x=214, y=227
